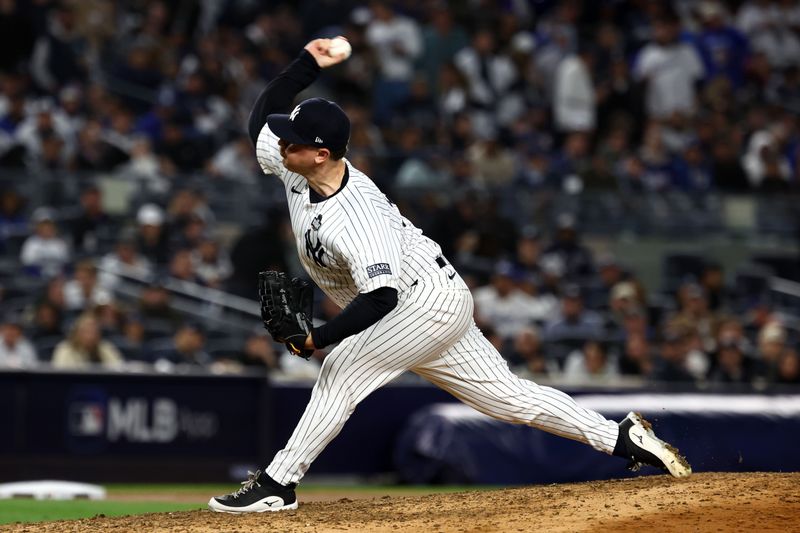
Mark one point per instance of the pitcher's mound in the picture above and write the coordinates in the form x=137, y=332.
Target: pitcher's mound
x=702, y=503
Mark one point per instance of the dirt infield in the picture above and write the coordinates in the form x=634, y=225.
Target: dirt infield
x=703, y=503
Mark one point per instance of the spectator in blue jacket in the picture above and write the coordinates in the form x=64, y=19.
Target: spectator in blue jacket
x=723, y=48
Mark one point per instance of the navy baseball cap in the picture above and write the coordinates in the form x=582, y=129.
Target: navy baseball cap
x=314, y=122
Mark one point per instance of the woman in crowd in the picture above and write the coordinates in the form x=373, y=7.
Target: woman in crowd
x=84, y=346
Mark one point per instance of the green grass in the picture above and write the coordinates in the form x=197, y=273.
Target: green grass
x=305, y=488
x=44, y=510
x=26, y=510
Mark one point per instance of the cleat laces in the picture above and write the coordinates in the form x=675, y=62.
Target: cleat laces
x=248, y=484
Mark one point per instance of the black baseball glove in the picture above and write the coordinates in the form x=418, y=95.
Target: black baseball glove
x=286, y=309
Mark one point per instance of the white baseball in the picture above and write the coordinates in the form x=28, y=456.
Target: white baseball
x=339, y=46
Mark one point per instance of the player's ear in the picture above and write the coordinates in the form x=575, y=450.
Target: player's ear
x=323, y=154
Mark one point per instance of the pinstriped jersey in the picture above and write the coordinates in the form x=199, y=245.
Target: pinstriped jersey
x=354, y=241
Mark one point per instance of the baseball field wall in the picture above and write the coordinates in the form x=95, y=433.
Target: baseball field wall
x=197, y=427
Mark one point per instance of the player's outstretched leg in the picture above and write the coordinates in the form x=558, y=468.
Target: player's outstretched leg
x=258, y=494
x=474, y=372
x=639, y=443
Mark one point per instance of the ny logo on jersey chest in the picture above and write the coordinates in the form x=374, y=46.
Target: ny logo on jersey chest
x=314, y=250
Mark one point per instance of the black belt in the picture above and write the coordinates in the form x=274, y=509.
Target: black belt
x=441, y=262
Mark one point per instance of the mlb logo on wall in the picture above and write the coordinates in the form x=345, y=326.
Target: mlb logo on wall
x=87, y=419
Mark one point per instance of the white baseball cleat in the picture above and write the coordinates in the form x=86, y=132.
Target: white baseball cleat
x=644, y=448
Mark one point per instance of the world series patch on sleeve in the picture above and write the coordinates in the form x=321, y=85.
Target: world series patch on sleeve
x=378, y=269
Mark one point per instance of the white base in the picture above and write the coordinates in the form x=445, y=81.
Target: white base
x=51, y=490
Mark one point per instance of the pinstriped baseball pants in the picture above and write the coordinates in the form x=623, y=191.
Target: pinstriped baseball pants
x=431, y=332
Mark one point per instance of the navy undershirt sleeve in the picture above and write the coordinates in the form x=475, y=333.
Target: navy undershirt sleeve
x=278, y=95
x=365, y=310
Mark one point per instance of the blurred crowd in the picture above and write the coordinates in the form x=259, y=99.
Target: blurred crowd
x=627, y=94
x=607, y=327
x=482, y=98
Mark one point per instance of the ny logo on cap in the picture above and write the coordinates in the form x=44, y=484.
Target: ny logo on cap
x=294, y=113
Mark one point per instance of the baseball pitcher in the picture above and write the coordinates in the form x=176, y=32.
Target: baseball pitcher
x=404, y=305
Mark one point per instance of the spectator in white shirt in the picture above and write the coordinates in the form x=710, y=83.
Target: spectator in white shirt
x=397, y=42
x=124, y=260
x=670, y=69
x=44, y=253
x=591, y=364
x=505, y=307
x=771, y=29
x=83, y=291
x=764, y=161
x=574, y=99
x=235, y=161
x=211, y=263
x=42, y=123
x=489, y=75
x=15, y=350
x=146, y=167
